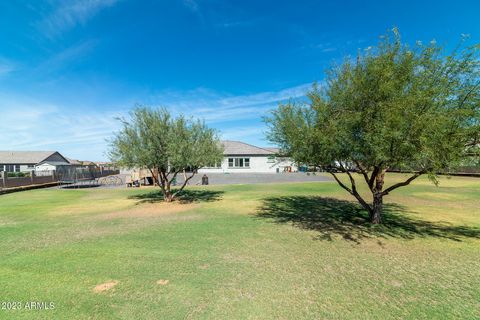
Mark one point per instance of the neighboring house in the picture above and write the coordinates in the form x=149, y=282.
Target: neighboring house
x=82, y=164
x=51, y=165
x=240, y=157
x=74, y=162
x=25, y=161
x=106, y=165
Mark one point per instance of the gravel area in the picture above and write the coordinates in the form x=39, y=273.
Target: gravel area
x=217, y=179
x=253, y=178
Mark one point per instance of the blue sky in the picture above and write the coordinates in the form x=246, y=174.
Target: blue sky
x=68, y=68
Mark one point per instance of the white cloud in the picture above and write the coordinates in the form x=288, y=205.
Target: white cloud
x=81, y=133
x=242, y=133
x=330, y=49
x=6, y=66
x=28, y=124
x=192, y=5
x=70, y=13
x=218, y=107
x=69, y=54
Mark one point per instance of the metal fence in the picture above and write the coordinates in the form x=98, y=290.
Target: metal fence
x=62, y=175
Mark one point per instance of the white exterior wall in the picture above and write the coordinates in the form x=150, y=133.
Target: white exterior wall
x=45, y=167
x=258, y=164
x=26, y=168
x=23, y=167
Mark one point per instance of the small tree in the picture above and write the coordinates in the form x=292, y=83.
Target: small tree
x=393, y=108
x=166, y=146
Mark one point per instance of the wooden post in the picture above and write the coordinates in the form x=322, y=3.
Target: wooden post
x=2, y=179
x=32, y=177
x=5, y=179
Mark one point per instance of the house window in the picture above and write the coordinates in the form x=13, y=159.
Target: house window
x=17, y=168
x=238, y=162
x=31, y=166
x=213, y=165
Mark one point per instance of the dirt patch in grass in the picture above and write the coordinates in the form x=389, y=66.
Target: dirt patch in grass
x=115, y=223
x=163, y=282
x=148, y=210
x=89, y=206
x=4, y=223
x=105, y=286
x=435, y=196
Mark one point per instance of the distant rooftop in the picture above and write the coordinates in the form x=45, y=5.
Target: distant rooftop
x=242, y=148
x=274, y=150
x=24, y=157
x=74, y=162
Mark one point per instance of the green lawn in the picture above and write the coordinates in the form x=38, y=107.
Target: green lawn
x=286, y=251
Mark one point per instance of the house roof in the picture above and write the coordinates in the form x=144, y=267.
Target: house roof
x=74, y=162
x=24, y=157
x=81, y=163
x=274, y=150
x=55, y=163
x=242, y=148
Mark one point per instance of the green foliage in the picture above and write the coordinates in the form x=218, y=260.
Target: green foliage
x=17, y=174
x=155, y=140
x=393, y=107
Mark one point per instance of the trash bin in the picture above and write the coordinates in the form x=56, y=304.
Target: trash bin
x=204, y=180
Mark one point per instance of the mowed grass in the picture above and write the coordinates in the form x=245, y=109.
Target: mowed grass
x=284, y=251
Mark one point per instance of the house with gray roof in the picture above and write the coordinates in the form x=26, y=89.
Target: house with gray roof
x=241, y=157
x=24, y=161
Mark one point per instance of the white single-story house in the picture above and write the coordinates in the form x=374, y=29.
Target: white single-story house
x=51, y=165
x=240, y=157
x=25, y=161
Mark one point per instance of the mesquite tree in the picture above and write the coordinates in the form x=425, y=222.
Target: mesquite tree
x=394, y=107
x=165, y=145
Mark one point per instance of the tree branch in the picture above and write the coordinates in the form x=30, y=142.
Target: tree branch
x=340, y=182
x=155, y=178
x=364, y=172
x=184, y=184
x=402, y=184
x=173, y=177
x=469, y=93
x=373, y=176
x=353, y=190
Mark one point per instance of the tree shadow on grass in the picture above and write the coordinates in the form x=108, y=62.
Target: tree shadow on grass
x=332, y=217
x=186, y=196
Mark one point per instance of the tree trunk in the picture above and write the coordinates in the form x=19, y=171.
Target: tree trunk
x=168, y=196
x=377, y=210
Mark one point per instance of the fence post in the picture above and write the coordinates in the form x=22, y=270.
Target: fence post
x=32, y=177
x=53, y=175
x=4, y=179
